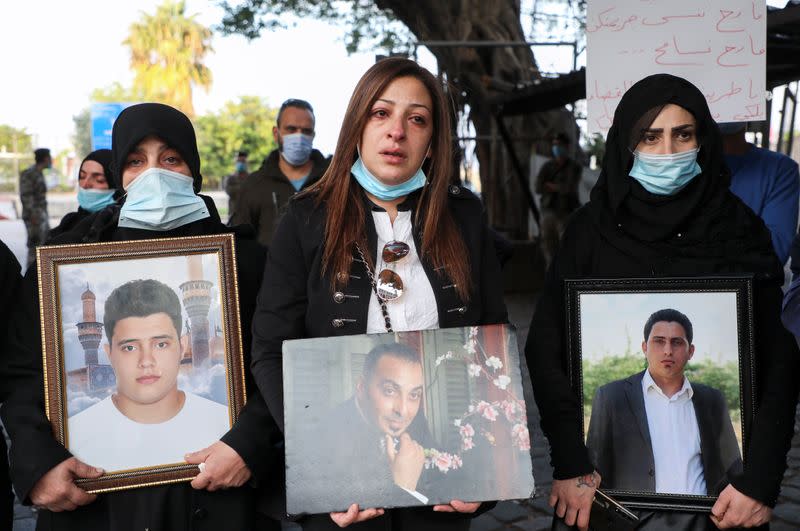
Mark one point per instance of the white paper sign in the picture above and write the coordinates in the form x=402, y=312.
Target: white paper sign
x=719, y=45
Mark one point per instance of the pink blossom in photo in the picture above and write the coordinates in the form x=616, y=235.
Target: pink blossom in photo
x=457, y=463
x=521, y=436
x=469, y=346
x=457, y=422
x=467, y=444
x=502, y=381
x=474, y=370
x=467, y=430
x=443, y=461
x=490, y=413
x=473, y=332
x=495, y=363
x=509, y=408
x=482, y=405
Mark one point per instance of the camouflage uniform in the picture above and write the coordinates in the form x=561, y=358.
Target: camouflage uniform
x=33, y=195
x=232, y=183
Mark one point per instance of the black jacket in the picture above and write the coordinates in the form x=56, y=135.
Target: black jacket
x=68, y=222
x=264, y=194
x=9, y=284
x=35, y=451
x=296, y=300
x=586, y=253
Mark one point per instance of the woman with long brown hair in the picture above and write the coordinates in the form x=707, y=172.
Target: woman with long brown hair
x=381, y=243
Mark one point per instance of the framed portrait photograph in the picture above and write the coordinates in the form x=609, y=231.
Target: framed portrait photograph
x=405, y=419
x=665, y=371
x=142, y=353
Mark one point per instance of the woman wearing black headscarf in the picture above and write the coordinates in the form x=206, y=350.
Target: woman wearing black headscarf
x=97, y=188
x=154, y=150
x=648, y=218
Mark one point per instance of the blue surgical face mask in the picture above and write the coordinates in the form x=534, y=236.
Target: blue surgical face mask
x=665, y=174
x=241, y=166
x=296, y=148
x=559, y=151
x=160, y=199
x=95, y=200
x=386, y=192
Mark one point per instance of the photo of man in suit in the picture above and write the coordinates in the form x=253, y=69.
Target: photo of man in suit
x=384, y=425
x=656, y=431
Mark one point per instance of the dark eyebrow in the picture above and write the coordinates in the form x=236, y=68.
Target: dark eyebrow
x=390, y=102
x=661, y=130
x=135, y=339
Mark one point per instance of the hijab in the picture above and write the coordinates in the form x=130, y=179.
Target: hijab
x=704, y=220
x=169, y=124
x=131, y=127
x=103, y=158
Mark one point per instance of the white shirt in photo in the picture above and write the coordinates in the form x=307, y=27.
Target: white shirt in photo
x=102, y=436
x=675, y=438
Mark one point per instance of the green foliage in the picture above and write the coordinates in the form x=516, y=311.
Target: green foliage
x=82, y=137
x=609, y=369
x=368, y=26
x=115, y=93
x=240, y=125
x=723, y=377
x=11, y=135
x=167, y=53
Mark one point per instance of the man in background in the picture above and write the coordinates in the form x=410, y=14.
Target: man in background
x=232, y=183
x=767, y=182
x=557, y=185
x=295, y=165
x=33, y=196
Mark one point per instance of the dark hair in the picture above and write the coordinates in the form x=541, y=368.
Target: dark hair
x=442, y=242
x=562, y=138
x=242, y=153
x=41, y=154
x=292, y=102
x=396, y=350
x=670, y=316
x=140, y=298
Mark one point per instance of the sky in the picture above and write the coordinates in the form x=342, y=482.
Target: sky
x=307, y=61
x=103, y=277
x=56, y=53
x=607, y=320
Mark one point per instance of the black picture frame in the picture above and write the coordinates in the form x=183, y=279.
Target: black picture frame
x=740, y=286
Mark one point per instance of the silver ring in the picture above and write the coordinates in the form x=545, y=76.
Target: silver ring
x=202, y=467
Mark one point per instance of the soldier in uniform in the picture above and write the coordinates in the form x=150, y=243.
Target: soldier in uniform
x=33, y=195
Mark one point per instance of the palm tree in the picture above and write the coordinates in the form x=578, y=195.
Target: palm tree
x=167, y=53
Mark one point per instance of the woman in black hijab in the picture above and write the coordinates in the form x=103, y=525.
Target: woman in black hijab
x=651, y=220
x=97, y=189
x=154, y=150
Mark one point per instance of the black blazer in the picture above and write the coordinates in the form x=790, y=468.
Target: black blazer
x=619, y=438
x=296, y=301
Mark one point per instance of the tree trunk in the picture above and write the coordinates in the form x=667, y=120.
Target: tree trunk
x=469, y=69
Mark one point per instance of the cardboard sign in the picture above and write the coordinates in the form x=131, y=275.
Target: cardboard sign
x=720, y=46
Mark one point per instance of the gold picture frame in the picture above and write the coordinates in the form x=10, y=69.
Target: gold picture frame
x=141, y=395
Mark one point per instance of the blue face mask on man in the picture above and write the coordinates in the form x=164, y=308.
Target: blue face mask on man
x=665, y=174
x=160, y=199
x=386, y=192
x=559, y=151
x=296, y=148
x=95, y=200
